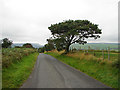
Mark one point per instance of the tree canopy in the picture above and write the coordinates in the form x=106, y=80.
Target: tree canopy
x=47, y=47
x=73, y=31
x=6, y=43
x=27, y=45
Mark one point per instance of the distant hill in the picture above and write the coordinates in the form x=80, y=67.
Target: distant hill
x=35, y=45
x=98, y=46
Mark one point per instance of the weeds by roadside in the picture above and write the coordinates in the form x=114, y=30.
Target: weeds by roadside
x=16, y=74
x=11, y=55
x=102, y=70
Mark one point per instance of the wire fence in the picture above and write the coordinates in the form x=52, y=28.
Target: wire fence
x=104, y=53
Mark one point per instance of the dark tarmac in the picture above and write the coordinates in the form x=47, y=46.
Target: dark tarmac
x=51, y=73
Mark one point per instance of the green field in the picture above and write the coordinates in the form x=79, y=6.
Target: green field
x=96, y=46
x=105, y=70
x=113, y=56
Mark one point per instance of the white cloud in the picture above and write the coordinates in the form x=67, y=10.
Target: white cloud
x=28, y=20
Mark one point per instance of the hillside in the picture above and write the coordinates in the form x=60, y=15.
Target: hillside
x=35, y=45
x=97, y=46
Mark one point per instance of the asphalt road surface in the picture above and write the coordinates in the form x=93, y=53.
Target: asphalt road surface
x=51, y=73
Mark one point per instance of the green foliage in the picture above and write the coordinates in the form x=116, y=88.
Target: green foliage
x=41, y=50
x=47, y=47
x=27, y=45
x=73, y=31
x=100, y=71
x=59, y=43
x=18, y=47
x=6, y=43
x=50, y=44
x=18, y=73
x=11, y=55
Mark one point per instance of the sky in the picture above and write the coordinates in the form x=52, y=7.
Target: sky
x=27, y=21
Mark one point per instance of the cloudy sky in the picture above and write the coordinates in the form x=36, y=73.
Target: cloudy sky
x=28, y=20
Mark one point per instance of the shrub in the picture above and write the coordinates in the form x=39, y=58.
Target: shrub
x=10, y=55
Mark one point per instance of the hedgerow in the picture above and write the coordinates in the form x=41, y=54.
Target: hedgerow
x=11, y=55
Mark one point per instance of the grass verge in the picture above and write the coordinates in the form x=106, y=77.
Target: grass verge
x=17, y=73
x=100, y=71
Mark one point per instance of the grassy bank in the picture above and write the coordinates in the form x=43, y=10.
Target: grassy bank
x=12, y=55
x=18, y=72
x=101, y=70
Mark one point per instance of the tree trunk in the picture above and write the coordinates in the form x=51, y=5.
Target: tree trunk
x=67, y=49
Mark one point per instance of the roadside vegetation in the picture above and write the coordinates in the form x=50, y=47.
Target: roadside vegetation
x=101, y=69
x=17, y=63
x=12, y=55
x=17, y=66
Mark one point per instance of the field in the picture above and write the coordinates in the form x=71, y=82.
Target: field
x=101, y=69
x=96, y=46
x=17, y=65
x=104, y=55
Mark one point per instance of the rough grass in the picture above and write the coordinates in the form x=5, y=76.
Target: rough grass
x=101, y=70
x=11, y=55
x=18, y=72
x=113, y=55
x=89, y=56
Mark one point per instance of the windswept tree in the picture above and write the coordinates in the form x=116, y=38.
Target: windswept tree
x=73, y=31
x=6, y=43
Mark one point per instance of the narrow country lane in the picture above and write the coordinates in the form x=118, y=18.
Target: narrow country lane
x=51, y=73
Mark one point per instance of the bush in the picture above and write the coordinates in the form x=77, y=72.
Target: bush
x=10, y=55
